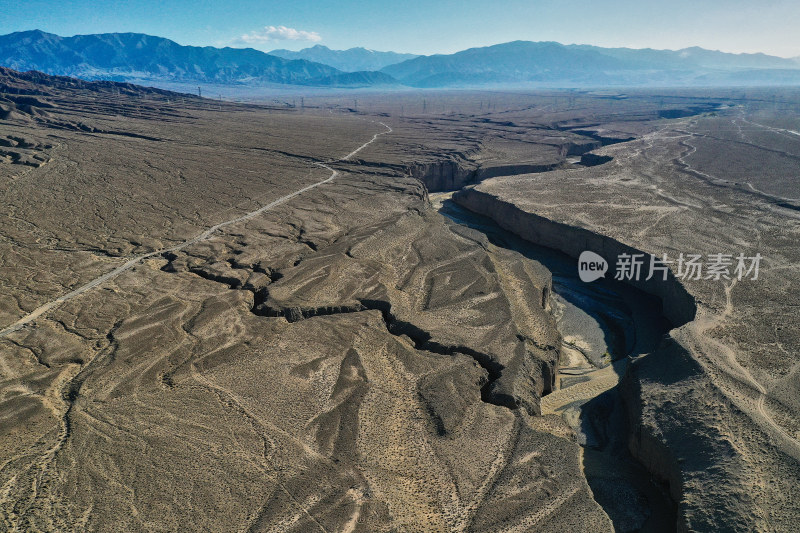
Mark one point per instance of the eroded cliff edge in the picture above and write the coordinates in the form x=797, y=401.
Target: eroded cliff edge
x=330, y=364
x=707, y=417
x=677, y=305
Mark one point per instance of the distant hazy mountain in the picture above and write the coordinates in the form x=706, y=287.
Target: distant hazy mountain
x=524, y=62
x=351, y=60
x=356, y=79
x=125, y=56
x=518, y=61
x=693, y=57
x=135, y=56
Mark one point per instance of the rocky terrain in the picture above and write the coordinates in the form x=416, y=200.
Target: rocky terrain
x=713, y=409
x=228, y=317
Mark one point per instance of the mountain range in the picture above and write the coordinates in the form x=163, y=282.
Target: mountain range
x=351, y=60
x=525, y=62
x=153, y=60
x=136, y=56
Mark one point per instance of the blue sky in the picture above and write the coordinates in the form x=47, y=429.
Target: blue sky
x=426, y=27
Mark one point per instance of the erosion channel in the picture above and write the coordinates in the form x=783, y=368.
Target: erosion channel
x=603, y=326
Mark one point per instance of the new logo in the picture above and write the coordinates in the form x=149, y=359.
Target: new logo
x=591, y=266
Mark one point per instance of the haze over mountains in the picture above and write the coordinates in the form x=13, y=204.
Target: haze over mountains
x=351, y=60
x=145, y=58
x=521, y=62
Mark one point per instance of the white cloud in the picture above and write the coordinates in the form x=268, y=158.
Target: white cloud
x=276, y=33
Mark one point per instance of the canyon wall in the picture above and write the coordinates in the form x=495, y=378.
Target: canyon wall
x=646, y=443
x=678, y=305
x=445, y=175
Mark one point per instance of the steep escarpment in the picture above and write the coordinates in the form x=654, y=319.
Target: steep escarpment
x=580, y=147
x=494, y=171
x=455, y=171
x=668, y=395
x=678, y=305
x=707, y=409
x=645, y=443
x=445, y=175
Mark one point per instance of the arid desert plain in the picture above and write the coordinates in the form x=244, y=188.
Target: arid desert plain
x=363, y=313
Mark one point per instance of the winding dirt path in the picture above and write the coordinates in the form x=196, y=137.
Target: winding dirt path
x=43, y=309
x=705, y=343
